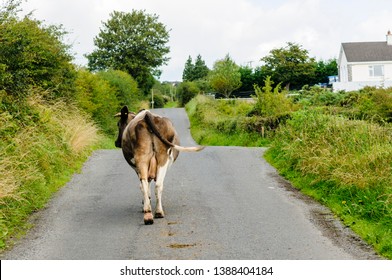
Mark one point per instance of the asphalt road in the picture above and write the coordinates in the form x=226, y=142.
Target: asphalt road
x=221, y=203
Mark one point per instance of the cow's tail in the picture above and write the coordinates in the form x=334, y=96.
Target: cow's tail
x=188, y=149
x=148, y=118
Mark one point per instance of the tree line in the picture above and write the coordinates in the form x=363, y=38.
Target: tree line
x=290, y=66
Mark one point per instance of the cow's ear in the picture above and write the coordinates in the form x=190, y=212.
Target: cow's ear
x=124, y=112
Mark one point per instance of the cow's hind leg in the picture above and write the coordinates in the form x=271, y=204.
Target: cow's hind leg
x=161, y=173
x=145, y=186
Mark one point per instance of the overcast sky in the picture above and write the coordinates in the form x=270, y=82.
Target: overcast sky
x=245, y=29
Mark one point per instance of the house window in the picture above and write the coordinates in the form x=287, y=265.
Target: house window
x=376, y=70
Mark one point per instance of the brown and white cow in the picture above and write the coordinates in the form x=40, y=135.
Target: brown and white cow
x=150, y=144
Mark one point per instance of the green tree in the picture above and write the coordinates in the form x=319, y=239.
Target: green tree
x=225, y=76
x=187, y=74
x=325, y=69
x=290, y=66
x=32, y=54
x=194, y=72
x=132, y=42
x=9, y=9
x=200, y=70
x=247, y=78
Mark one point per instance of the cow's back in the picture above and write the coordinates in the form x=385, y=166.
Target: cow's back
x=141, y=146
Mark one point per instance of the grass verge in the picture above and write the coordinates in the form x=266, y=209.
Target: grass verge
x=344, y=164
x=38, y=155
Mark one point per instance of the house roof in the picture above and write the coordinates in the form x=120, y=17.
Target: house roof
x=367, y=51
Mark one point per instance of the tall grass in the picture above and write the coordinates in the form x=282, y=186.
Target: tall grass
x=38, y=154
x=333, y=148
x=345, y=164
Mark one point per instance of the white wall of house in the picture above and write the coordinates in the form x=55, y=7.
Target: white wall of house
x=370, y=71
x=343, y=66
x=388, y=71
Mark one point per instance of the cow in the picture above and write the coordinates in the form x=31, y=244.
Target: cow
x=150, y=144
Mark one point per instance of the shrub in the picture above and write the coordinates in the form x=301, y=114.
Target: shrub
x=318, y=96
x=271, y=101
x=159, y=100
x=376, y=104
x=370, y=103
x=186, y=91
x=125, y=86
x=33, y=55
x=96, y=97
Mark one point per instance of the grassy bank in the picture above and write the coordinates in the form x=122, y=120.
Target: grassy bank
x=224, y=123
x=344, y=163
x=41, y=147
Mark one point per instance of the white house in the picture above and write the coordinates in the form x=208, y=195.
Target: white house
x=365, y=64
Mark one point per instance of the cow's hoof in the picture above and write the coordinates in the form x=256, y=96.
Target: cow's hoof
x=159, y=215
x=148, y=219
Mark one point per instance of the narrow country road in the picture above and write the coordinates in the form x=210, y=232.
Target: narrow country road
x=221, y=203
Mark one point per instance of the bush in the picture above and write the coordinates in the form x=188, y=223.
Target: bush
x=318, y=96
x=370, y=103
x=375, y=104
x=159, y=100
x=96, y=97
x=32, y=55
x=271, y=101
x=125, y=86
x=186, y=91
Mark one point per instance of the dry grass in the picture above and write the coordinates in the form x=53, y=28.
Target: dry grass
x=27, y=155
x=77, y=129
x=8, y=180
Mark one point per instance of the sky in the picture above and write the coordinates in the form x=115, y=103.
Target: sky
x=247, y=30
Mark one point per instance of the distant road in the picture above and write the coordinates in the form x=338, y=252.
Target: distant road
x=221, y=203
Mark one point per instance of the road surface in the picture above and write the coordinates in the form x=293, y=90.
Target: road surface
x=221, y=203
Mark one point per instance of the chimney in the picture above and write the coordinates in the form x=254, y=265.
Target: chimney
x=389, y=38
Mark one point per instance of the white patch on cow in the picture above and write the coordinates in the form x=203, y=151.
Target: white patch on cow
x=161, y=173
x=171, y=156
x=145, y=188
